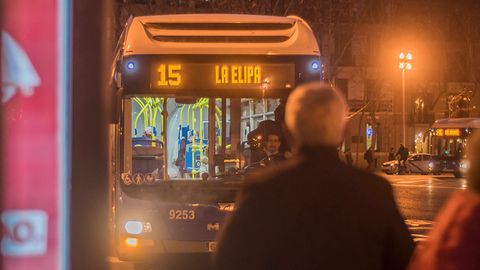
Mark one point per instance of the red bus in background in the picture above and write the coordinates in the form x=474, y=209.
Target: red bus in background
x=35, y=158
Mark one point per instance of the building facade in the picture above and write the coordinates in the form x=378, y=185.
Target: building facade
x=361, y=52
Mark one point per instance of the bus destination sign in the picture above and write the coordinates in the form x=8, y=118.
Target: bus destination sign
x=447, y=132
x=222, y=76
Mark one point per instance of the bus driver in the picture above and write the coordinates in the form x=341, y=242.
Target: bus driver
x=272, y=148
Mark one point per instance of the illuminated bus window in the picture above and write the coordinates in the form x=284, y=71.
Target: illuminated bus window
x=186, y=136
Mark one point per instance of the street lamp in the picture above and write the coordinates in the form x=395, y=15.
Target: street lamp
x=404, y=64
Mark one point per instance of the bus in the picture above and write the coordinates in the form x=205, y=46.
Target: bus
x=191, y=90
x=448, y=138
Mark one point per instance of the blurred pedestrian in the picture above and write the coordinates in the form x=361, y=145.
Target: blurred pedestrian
x=341, y=156
x=368, y=156
x=454, y=242
x=391, y=154
x=402, y=154
x=315, y=212
x=348, y=157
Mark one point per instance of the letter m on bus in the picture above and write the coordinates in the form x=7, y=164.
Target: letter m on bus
x=213, y=227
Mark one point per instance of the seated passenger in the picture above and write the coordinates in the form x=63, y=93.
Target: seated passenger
x=272, y=148
x=146, y=139
x=147, y=154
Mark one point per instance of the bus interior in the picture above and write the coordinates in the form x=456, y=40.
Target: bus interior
x=170, y=138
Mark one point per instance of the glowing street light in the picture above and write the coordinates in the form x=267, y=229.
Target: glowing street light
x=404, y=64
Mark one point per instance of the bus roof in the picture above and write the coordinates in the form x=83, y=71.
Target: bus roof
x=219, y=34
x=215, y=18
x=457, y=123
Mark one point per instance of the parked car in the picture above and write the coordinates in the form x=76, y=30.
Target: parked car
x=416, y=163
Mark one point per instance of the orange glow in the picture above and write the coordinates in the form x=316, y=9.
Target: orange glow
x=131, y=242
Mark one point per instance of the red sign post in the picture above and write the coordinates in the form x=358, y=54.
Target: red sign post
x=34, y=88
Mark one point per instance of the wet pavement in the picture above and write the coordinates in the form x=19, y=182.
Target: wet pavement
x=419, y=197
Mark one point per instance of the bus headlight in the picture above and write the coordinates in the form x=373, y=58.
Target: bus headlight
x=464, y=165
x=430, y=165
x=137, y=227
x=134, y=227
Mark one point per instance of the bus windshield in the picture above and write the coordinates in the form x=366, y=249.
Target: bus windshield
x=448, y=146
x=169, y=138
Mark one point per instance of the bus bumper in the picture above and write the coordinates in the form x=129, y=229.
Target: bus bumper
x=142, y=250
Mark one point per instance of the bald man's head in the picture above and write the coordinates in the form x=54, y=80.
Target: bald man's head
x=315, y=115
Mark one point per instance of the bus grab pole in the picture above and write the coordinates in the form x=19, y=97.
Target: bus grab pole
x=224, y=134
x=211, y=137
x=164, y=138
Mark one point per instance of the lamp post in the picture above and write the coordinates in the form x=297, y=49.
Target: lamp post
x=404, y=64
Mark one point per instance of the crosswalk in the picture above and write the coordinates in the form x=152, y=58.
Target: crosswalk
x=427, y=181
x=419, y=228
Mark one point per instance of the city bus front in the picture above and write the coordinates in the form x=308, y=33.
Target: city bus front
x=194, y=124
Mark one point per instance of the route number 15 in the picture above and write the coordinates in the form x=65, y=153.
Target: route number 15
x=169, y=75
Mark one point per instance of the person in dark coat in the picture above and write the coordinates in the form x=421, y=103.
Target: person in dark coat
x=279, y=114
x=313, y=211
x=368, y=156
x=391, y=154
x=454, y=241
x=402, y=154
